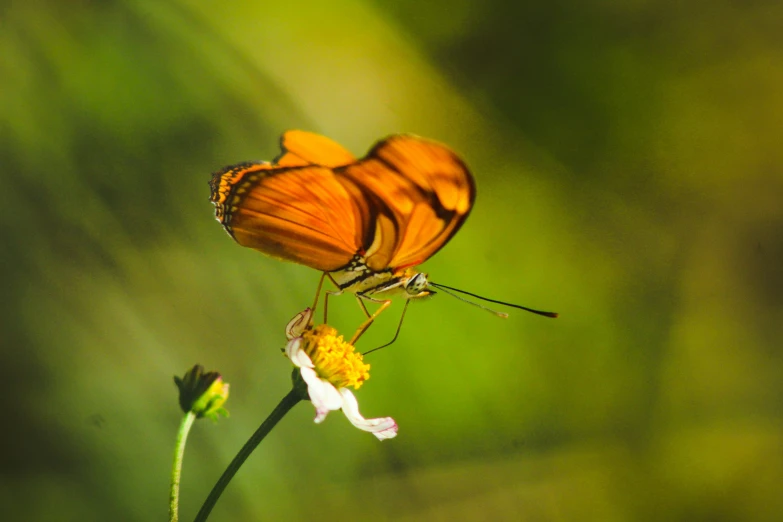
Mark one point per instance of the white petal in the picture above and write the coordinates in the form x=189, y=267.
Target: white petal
x=293, y=347
x=293, y=350
x=323, y=394
x=296, y=326
x=383, y=428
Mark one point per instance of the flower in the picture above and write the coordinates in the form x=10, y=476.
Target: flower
x=328, y=366
x=202, y=393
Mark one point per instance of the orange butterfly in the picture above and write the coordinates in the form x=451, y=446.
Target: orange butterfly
x=365, y=223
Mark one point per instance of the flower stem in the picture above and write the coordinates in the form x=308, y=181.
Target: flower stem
x=176, y=470
x=288, y=402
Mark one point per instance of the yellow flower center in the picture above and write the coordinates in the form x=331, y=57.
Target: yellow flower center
x=334, y=359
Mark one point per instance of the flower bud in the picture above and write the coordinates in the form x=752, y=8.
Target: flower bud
x=202, y=393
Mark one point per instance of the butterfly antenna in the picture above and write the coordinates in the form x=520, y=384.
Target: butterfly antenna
x=490, y=310
x=499, y=314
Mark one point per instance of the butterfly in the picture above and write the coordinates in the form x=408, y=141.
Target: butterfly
x=365, y=223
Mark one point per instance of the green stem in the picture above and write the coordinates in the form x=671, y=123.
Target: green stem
x=288, y=402
x=176, y=470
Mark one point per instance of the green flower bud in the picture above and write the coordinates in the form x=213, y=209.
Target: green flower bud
x=202, y=393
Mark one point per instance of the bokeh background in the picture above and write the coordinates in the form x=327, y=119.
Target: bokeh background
x=629, y=168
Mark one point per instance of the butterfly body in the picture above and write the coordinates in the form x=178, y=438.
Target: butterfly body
x=359, y=279
x=367, y=222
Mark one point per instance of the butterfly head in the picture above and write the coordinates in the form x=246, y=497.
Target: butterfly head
x=417, y=285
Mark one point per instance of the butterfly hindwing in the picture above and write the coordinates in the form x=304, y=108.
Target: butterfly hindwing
x=300, y=214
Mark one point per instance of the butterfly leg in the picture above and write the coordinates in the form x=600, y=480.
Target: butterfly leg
x=396, y=334
x=329, y=293
x=370, y=317
x=317, y=295
x=326, y=301
x=363, y=306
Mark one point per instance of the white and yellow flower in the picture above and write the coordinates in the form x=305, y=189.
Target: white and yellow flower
x=328, y=366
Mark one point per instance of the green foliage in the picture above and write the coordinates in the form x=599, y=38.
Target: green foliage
x=628, y=165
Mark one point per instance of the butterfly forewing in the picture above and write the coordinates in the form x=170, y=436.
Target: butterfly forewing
x=423, y=189
x=433, y=167
x=305, y=148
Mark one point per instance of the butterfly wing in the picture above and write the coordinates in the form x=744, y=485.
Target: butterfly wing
x=301, y=148
x=316, y=205
x=414, y=195
x=295, y=208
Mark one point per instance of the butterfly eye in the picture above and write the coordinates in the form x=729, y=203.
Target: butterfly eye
x=416, y=284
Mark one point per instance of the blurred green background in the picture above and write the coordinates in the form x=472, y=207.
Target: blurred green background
x=629, y=168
